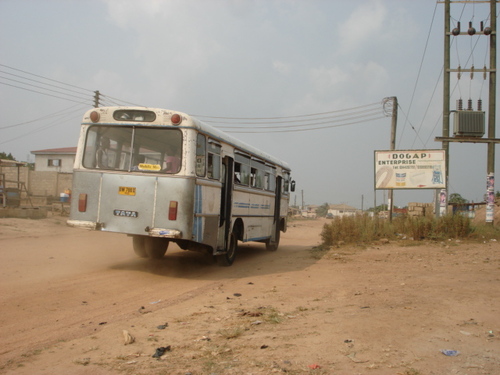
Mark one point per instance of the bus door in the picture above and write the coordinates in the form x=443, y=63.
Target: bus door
x=226, y=202
x=273, y=242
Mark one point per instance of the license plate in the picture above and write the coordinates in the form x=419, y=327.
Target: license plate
x=125, y=213
x=124, y=190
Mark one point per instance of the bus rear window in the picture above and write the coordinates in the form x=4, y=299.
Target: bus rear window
x=127, y=148
x=134, y=115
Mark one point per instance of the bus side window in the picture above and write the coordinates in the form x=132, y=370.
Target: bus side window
x=253, y=177
x=213, y=161
x=245, y=174
x=200, y=155
x=259, y=180
x=286, y=185
x=237, y=173
x=267, y=181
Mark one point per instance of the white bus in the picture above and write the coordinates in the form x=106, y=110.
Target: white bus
x=163, y=176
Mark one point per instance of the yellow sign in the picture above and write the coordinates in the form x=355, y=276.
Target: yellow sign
x=149, y=167
x=124, y=190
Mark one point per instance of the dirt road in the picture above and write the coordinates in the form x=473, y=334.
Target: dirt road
x=67, y=295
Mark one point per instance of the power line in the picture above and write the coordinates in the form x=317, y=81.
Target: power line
x=288, y=130
x=50, y=115
x=43, y=83
x=302, y=124
x=420, y=68
x=42, y=88
x=48, y=79
x=285, y=117
x=41, y=93
x=37, y=130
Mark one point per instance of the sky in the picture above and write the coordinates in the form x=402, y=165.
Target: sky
x=315, y=71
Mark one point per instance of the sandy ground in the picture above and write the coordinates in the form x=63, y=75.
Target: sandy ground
x=68, y=295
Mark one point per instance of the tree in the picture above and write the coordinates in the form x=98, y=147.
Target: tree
x=381, y=207
x=456, y=198
x=4, y=156
x=322, y=210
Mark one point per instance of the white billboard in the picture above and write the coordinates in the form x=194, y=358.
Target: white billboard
x=410, y=169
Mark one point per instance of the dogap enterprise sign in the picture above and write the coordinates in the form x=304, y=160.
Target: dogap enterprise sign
x=410, y=169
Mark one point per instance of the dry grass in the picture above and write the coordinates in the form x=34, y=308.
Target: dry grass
x=362, y=229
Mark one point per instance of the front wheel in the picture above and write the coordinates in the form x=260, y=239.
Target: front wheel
x=227, y=259
x=155, y=247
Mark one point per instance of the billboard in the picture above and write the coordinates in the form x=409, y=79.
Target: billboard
x=410, y=169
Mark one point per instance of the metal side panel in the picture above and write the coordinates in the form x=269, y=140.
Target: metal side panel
x=89, y=184
x=180, y=191
x=127, y=203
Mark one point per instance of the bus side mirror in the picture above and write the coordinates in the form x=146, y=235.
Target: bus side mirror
x=292, y=186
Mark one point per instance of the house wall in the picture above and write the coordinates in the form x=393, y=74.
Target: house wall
x=11, y=175
x=49, y=183
x=38, y=183
x=66, y=164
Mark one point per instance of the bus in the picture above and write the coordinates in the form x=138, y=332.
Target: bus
x=163, y=176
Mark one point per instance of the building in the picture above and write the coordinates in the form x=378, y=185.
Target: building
x=340, y=210
x=55, y=160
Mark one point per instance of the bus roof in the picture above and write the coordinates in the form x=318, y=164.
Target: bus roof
x=190, y=122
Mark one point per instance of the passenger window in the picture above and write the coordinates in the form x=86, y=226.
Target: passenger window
x=213, y=164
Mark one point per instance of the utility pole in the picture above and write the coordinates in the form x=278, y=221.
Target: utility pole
x=446, y=105
x=465, y=135
x=97, y=95
x=392, y=101
x=490, y=186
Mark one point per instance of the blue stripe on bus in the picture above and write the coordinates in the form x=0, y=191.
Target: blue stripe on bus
x=198, y=208
x=254, y=206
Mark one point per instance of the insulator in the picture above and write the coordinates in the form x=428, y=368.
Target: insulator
x=469, y=105
x=471, y=30
x=472, y=72
x=456, y=30
x=460, y=105
x=485, y=72
x=479, y=105
x=487, y=31
x=459, y=72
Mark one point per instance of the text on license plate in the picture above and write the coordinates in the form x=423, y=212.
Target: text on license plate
x=124, y=190
x=125, y=213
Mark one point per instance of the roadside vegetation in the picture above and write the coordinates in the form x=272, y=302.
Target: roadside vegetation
x=365, y=229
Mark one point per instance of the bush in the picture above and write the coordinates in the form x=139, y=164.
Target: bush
x=365, y=229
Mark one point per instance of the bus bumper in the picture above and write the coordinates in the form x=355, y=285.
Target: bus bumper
x=165, y=233
x=91, y=225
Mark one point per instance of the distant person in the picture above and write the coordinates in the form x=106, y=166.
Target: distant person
x=103, y=153
x=172, y=160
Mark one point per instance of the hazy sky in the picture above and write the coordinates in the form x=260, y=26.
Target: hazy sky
x=251, y=59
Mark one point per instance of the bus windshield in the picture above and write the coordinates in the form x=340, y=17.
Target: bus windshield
x=131, y=148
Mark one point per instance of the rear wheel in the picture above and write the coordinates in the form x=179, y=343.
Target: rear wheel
x=227, y=259
x=155, y=247
x=273, y=245
x=138, y=244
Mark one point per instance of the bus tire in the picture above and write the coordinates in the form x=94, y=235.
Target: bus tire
x=273, y=245
x=227, y=259
x=155, y=247
x=138, y=243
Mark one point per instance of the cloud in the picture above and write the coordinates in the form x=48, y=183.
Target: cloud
x=365, y=24
x=281, y=67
